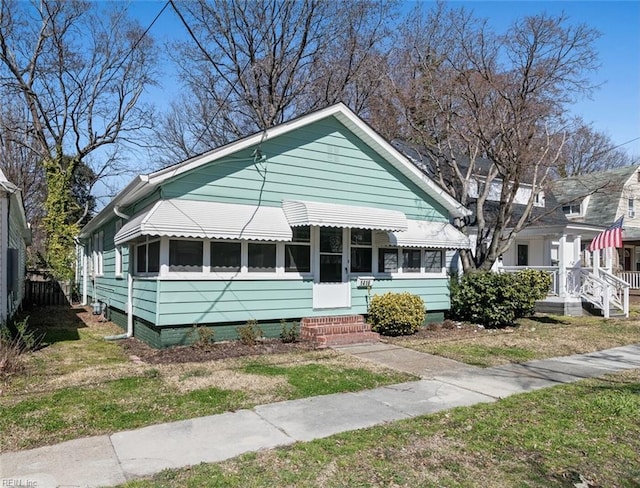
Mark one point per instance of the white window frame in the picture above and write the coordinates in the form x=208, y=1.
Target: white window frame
x=118, y=253
x=630, y=208
x=361, y=246
x=98, y=253
x=572, y=212
x=146, y=243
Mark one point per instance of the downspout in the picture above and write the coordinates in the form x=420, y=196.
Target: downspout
x=129, y=332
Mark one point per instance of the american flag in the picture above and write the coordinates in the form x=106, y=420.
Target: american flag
x=610, y=237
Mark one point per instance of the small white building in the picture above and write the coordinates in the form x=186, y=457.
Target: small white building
x=15, y=235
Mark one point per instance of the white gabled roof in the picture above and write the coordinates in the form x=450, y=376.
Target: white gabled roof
x=203, y=219
x=422, y=233
x=334, y=215
x=144, y=185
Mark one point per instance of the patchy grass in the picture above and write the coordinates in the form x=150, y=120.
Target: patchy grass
x=79, y=384
x=534, y=338
x=558, y=437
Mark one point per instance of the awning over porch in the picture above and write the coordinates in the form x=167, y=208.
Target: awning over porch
x=202, y=219
x=345, y=216
x=422, y=233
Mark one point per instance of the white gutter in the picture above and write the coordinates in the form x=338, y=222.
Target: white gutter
x=116, y=210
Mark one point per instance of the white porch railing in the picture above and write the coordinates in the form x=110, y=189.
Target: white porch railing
x=604, y=290
x=554, y=271
x=631, y=277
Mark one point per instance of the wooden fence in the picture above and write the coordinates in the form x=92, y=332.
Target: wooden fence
x=48, y=292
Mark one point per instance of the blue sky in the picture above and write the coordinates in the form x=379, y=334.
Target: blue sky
x=614, y=108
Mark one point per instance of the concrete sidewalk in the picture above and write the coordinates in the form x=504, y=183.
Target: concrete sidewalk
x=108, y=460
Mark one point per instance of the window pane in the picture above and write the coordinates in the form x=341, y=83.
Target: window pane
x=330, y=268
x=523, y=255
x=154, y=257
x=387, y=260
x=433, y=261
x=411, y=260
x=225, y=256
x=361, y=237
x=330, y=240
x=297, y=258
x=262, y=257
x=141, y=258
x=302, y=234
x=361, y=260
x=185, y=255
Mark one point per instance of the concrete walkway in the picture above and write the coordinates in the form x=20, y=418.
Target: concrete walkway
x=108, y=460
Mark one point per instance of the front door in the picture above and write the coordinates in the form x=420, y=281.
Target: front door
x=331, y=287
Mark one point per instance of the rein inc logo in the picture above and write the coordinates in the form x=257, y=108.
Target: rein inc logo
x=17, y=482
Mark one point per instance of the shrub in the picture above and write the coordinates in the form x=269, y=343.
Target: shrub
x=249, y=333
x=289, y=332
x=202, y=336
x=498, y=299
x=394, y=314
x=16, y=338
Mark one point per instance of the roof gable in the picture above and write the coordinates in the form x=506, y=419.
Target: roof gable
x=144, y=185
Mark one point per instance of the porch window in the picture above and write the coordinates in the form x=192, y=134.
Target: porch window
x=411, y=260
x=361, y=252
x=225, y=256
x=387, y=260
x=297, y=255
x=523, y=255
x=261, y=257
x=148, y=257
x=185, y=255
x=433, y=260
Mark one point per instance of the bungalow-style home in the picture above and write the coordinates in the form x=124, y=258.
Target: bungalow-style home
x=15, y=235
x=305, y=222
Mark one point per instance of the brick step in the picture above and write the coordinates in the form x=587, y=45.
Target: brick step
x=337, y=330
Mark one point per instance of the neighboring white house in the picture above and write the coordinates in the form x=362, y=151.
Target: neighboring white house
x=15, y=235
x=556, y=242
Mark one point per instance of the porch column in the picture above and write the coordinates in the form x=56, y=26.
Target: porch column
x=609, y=258
x=562, y=266
x=595, y=259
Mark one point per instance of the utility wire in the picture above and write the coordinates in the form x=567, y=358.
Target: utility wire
x=210, y=59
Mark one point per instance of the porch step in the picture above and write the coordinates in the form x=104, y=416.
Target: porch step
x=339, y=330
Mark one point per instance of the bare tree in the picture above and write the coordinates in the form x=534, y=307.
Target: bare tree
x=252, y=64
x=487, y=109
x=78, y=69
x=587, y=150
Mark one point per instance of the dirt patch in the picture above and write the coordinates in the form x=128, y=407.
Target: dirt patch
x=219, y=350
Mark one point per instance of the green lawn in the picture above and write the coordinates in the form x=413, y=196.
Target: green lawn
x=557, y=437
x=80, y=385
x=533, y=338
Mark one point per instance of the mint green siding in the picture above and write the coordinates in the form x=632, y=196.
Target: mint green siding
x=324, y=162
x=320, y=162
x=203, y=302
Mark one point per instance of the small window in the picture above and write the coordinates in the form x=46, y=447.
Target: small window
x=225, y=256
x=185, y=256
x=262, y=257
x=387, y=260
x=297, y=255
x=361, y=252
x=411, y=260
x=433, y=261
x=632, y=212
x=148, y=257
x=98, y=253
x=118, y=251
x=573, y=209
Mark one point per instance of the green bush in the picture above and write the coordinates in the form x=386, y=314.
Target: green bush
x=249, y=333
x=289, y=332
x=394, y=314
x=498, y=299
